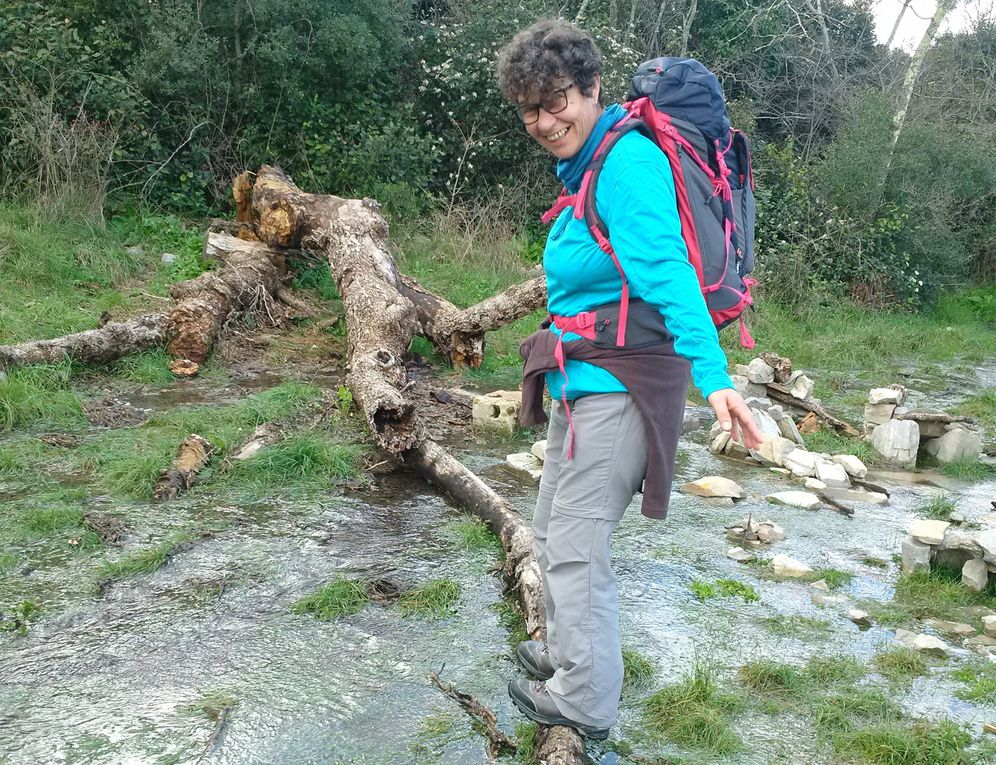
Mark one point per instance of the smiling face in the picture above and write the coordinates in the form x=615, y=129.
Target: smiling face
x=564, y=133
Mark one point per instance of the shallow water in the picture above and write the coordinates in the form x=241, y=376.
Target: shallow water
x=101, y=680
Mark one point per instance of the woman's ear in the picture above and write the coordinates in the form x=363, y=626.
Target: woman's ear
x=597, y=87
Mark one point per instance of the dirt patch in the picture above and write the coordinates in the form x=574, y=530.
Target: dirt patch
x=111, y=412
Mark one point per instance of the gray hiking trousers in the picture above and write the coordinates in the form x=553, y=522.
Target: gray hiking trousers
x=580, y=503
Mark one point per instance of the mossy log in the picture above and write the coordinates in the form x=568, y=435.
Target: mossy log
x=381, y=320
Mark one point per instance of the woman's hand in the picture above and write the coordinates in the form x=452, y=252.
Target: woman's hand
x=734, y=417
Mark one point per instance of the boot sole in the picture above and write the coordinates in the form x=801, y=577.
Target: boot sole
x=595, y=734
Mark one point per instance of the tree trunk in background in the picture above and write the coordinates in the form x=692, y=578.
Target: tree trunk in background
x=895, y=27
x=686, y=29
x=912, y=74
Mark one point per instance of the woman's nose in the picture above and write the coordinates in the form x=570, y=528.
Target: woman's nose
x=545, y=119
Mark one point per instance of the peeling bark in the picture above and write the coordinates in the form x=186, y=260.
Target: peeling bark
x=249, y=278
x=94, y=346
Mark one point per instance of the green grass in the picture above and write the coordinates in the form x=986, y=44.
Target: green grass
x=342, y=597
x=938, y=594
x=981, y=406
x=772, y=677
x=40, y=395
x=841, y=711
x=18, y=620
x=830, y=442
x=724, y=588
x=823, y=671
x=840, y=338
x=939, y=508
x=434, y=599
x=146, y=368
x=510, y=617
x=694, y=713
x=473, y=536
x=900, y=664
x=60, y=274
x=922, y=743
x=213, y=704
x=638, y=670
x=797, y=626
x=309, y=459
x=834, y=577
x=874, y=562
x=145, y=561
x=978, y=682
x=968, y=470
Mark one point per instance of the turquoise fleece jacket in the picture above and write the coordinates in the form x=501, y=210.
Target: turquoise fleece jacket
x=636, y=199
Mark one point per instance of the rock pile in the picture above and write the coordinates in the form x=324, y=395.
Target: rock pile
x=898, y=432
x=937, y=543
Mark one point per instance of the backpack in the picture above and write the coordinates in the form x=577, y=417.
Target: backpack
x=678, y=104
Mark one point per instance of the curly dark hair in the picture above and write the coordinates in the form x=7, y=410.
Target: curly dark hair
x=539, y=57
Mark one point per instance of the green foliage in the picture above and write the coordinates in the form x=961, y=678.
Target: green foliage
x=694, y=713
x=213, y=704
x=39, y=395
x=510, y=617
x=982, y=406
x=19, y=618
x=968, y=469
x=923, y=743
x=831, y=442
x=342, y=597
x=474, y=536
x=434, y=599
x=823, y=671
x=310, y=459
x=724, y=588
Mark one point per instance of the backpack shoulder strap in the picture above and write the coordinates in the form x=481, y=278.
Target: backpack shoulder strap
x=585, y=201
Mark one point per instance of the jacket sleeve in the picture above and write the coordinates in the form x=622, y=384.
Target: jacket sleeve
x=636, y=199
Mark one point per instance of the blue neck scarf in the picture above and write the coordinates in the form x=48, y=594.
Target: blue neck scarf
x=571, y=170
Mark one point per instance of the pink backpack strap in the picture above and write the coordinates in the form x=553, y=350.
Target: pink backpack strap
x=564, y=200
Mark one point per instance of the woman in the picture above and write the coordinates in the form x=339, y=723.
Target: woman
x=617, y=410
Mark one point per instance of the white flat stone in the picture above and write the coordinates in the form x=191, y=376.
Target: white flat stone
x=987, y=541
x=740, y=555
x=975, y=575
x=802, y=387
x=897, y=441
x=859, y=617
x=525, y=464
x=989, y=625
x=801, y=499
x=923, y=643
x=815, y=483
x=801, y=462
x=858, y=495
x=783, y=565
x=713, y=486
x=760, y=372
x=884, y=396
x=833, y=475
x=955, y=445
x=770, y=532
x=916, y=556
x=854, y=467
x=498, y=410
x=539, y=450
x=928, y=532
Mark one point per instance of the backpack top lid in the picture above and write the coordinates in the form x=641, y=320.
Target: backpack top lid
x=686, y=90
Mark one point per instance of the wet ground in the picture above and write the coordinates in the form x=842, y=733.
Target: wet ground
x=123, y=678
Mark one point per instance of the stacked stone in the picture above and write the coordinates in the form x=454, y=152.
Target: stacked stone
x=897, y=432
x=938, y=543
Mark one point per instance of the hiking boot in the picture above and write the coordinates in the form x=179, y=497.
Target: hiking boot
x=533, y=700
x=535, y=657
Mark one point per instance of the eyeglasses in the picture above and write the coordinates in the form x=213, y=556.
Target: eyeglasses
x=553, y=103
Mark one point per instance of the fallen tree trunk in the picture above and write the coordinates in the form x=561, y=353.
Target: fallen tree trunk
x=94, y=346
x=381, y=320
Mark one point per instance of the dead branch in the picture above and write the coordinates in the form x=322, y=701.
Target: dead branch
x=192, y=455
x=781, y=393
x=497, y=739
